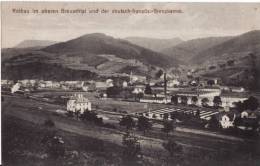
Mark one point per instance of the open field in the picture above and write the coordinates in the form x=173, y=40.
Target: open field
x=105, y=109
x=110, y=104
x=198, y=149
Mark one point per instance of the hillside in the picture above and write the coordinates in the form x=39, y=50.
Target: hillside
x=41, y=65
x=185, y=51
x=34, y=43
x=82, y=58
x=245, y=43
x=96, y=44
x=154, y=44
x=236, y=61
x=8, y=53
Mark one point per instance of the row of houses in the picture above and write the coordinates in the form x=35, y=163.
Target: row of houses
x=228, y=99
x=65, y=85
x=246, y=120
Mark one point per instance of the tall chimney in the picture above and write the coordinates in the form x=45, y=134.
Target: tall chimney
x=165, y=85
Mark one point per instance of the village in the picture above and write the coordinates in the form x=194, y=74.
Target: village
x=196, y=102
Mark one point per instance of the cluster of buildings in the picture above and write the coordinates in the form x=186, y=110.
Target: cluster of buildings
x=163, y=89
x=246, y=120
x=64, y=85
x=228, y=98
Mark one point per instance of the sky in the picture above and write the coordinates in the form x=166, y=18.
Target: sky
x=197, y=20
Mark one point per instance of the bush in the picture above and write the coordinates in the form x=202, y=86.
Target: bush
x=91, y=117
x=128, y=122
x=70, y=114
x=113, y=91
x=143, y=124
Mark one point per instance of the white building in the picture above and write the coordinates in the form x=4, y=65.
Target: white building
x=124, y=84
x=244, y=114
x=137, y=78
x=109, y=83
x=173, y=83
x=24, y=83
x=4, y=82
x=237, y=89
x=150, y=99
x=226, y=121
x=138, y=90
x=78, y=103
x=200, y=95
x=210, y=89
x=229, y=99
x=48, y=84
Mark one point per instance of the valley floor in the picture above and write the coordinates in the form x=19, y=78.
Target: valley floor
x=28, y=127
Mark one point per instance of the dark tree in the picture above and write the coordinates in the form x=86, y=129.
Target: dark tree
x=113, y=91
x=88, y=116
x=198, y=113
x=251, y=103
x=204, y=102
x=217, y=101
x=239, y=106
x=159, y=73
x=210, y=82
x=194, y=100
x=238, y=121
x=128, y=122
x=70, y=114
x=148, y=89
x=77, y=113
x=140, y=95
x=174, y=99
x=214, y=123
x=172, y=147
x=165, y=116
x=167, y=127
x=173, y=115
x=143, y=124
x=91, y=116
x=184, y=100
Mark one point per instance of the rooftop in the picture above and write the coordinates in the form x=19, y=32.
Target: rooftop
x=235, y=94
x=80, y=98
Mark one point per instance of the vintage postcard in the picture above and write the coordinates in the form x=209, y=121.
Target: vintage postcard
x=130, y=84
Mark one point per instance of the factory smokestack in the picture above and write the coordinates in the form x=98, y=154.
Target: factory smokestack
x=165, y=84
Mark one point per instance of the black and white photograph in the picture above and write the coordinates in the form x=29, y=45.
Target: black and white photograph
x=130, y=83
